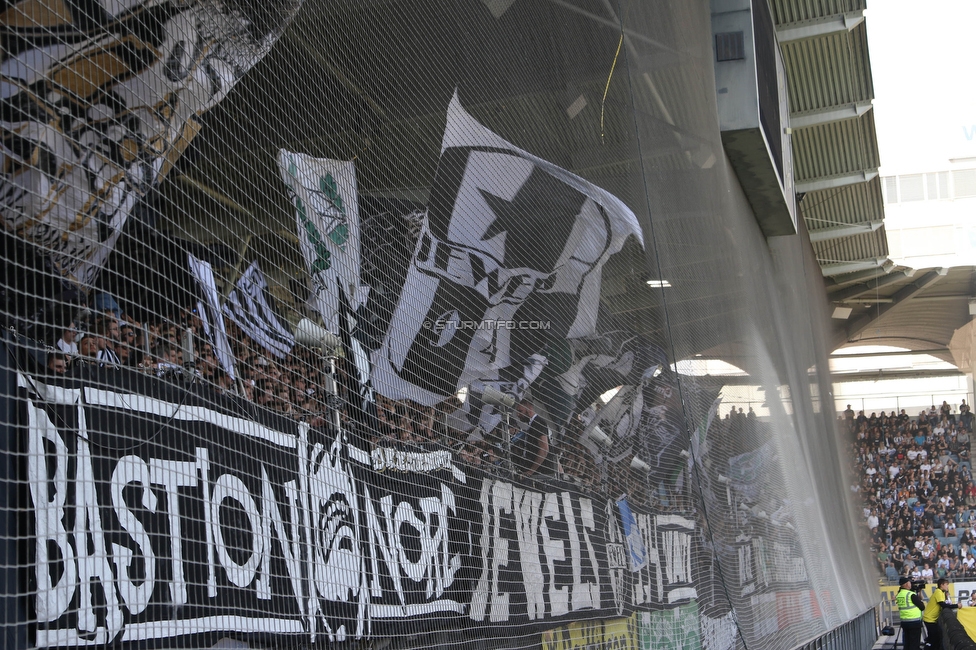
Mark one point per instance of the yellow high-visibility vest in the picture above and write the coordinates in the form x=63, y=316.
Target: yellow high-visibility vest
x=907, y=610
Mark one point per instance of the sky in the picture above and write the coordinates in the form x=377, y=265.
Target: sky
x=924, y=82
x=925, y=112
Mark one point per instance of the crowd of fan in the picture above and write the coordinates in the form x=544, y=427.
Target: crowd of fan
x=294, y=386
x=914, y=477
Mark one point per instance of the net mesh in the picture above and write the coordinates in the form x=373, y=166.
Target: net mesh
x=397, y=322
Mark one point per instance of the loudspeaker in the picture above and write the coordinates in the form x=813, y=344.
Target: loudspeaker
x=495, y=397
x=598, y=435
x=315, y=336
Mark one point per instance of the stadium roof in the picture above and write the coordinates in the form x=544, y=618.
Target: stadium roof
x=835, y=147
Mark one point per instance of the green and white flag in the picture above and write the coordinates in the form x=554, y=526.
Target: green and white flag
x=327, y=211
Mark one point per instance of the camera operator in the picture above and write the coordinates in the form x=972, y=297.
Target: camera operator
x=930, y=617
x=910, y=613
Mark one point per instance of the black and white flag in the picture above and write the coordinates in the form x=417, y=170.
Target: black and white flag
x=610, y=359
x=209, y=312
x=509, y=257
x=134, y=77
x=253, y=308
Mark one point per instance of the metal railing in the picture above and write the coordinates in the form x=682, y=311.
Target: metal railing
x=856, y=634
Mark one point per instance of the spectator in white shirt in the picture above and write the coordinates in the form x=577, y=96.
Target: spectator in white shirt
x=873, y=521
x=68, y=343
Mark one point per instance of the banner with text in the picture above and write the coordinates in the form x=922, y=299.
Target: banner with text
x=162, y=510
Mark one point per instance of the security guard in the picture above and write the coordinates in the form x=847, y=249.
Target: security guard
x=910, y=611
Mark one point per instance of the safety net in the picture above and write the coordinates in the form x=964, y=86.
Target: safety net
x=402, y=323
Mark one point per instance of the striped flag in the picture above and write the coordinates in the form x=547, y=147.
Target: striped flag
x=213, y=320
x=251, y=306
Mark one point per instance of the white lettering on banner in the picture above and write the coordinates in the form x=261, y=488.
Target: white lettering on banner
x=381, y=541
x=643, y=586
x=501, y=499
x=203, y=467
x=436, y=567
x=92, y=565
x=332, y=551
x=52, y=599
x=586, y=595
x=745, y=564
x=555, y=551
x=132, y=469
x=617, y=557
x=81, y=559
x=535, y=543
x=668, y=541
x=760, y=562
x=527, y=513
x=786, y=567
x=385, y=458
x=677, y=555
x=173, y=475
x=229, y=487
x=272, y=520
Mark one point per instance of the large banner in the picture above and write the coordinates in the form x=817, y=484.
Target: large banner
x=161, y=510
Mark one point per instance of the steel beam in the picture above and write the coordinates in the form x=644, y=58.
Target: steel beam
x=847, y=230
x=858, y=289
x=833, y=24
x=852, y=266
x=900, y=296
x=860, y=276
x=831, y=182
x=829, y=114
x=900, y=353
x=869, y=375
x=877, y=375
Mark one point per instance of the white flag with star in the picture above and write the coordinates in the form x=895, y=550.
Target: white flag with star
x=509, y=257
